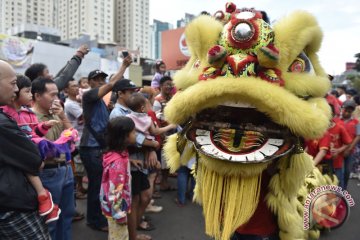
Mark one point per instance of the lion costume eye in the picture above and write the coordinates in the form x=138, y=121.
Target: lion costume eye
x=301, y=64
x=242, y=32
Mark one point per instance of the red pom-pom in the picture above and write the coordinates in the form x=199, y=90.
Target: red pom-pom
x=230, y=7
x=214, y=50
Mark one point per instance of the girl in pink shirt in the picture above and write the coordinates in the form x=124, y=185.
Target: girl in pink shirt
x=115, y=192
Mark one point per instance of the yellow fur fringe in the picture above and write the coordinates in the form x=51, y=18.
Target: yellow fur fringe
x=312, y=181
x=173, y=157
x=171, y=153
x=297, y=164
x=282, y=198
x=232, y=169
x=228, y=201
x=188, y=153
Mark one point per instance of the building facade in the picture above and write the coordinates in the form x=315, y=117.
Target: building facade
x=184, y=21
x=16, y=12
x=132, y=25
x=121, y=22
x=157, y=28
x=95, y=18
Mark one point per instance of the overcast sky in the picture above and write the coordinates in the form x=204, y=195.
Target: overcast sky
x=339, y=20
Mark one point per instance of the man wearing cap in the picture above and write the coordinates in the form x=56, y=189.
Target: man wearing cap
x=96, y=117
x=123, y=90
x=352, y=126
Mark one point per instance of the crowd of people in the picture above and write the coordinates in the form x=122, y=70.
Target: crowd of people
x=98, y=138
x=337, y=152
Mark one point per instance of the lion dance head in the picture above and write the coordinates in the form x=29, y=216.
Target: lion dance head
x=248, y=97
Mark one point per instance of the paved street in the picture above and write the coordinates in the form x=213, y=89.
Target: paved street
x=187, y=223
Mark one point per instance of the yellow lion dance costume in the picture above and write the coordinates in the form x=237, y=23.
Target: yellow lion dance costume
x=247, y=98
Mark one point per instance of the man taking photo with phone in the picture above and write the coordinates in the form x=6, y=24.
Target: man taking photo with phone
x=92, y=143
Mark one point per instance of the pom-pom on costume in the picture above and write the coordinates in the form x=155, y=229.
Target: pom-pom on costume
x=247, y=98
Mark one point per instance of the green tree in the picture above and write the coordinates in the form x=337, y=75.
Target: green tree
x=355, y=79
x=357, y=63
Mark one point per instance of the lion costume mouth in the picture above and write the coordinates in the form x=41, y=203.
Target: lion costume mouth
x=238, y=134
x=224, y=129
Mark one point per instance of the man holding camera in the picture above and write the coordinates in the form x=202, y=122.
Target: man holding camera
x=96, y=117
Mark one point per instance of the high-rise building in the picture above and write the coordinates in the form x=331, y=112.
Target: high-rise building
x=95, y=18
x=16, y=12
x=158, y=27
x=132, y=25
x=184, y=21
x=124, y=22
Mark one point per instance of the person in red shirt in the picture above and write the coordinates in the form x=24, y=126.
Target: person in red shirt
x=335, y=102
x=339, y=142
x=353, y=128
x=318, y=148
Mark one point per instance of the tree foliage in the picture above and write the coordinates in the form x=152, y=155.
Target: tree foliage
x=357, y=63
x=355, y=79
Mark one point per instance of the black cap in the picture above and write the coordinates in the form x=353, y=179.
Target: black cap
x=343, y=87
x=351, y=91
x=124, y=84
x=96, y=73
x=349, y=104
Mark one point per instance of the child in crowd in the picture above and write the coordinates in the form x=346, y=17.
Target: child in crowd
x=150, y=93
x=115, y=193
x=143, y=122
x=28, y=123
x=160, y=69
x=83, y=87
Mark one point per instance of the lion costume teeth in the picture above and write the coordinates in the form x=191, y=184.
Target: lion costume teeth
x=248, y=97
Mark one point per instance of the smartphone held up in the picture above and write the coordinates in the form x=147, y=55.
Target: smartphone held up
x=125, y=54
x=135, y=55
